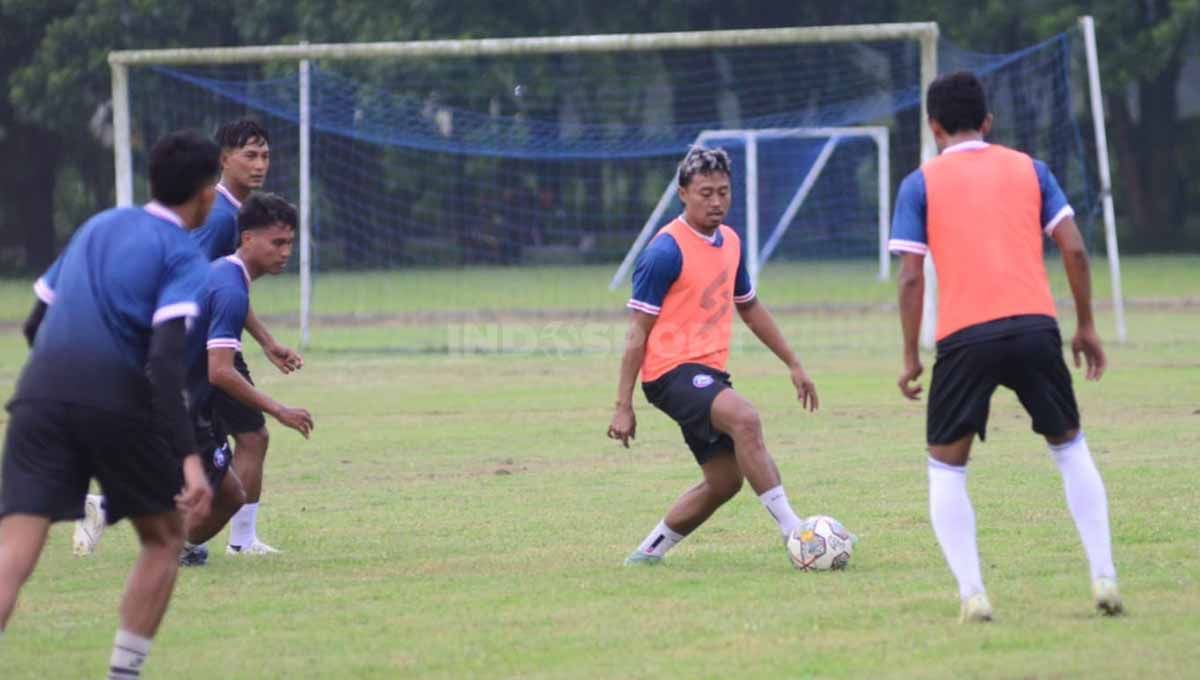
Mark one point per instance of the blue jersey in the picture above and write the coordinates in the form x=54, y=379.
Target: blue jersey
x=124, y=271
x=223, y=309
x=219, y=235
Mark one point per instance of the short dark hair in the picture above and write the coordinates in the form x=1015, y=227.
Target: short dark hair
x=263, y=210
x=181, y=164
x=957, y=102
x=238, y=133
x=702, y=161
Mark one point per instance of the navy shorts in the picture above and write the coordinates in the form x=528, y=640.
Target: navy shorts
x=686, y=394
x=52, y=451
x=1030, y=364
x=212, y=444
x=234, y=416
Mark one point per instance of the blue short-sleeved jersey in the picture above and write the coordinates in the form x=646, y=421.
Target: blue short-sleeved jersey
x=219, y=235
x=659, y=265
x=124, y=271
x=223, y=309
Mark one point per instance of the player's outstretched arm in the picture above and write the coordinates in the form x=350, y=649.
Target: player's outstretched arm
x=223, y=376
x=624, y=423
x=285, y=359
x=911, y=285
x=762, y=324
x=1075, y=260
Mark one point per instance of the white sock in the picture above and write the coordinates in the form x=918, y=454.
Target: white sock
x=776, y=502
x=128, y=656
x=1088, y=503
x=659, y=541
x=953, y=521
x=243, y=527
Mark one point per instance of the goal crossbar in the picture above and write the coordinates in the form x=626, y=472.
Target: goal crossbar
x=424, y=49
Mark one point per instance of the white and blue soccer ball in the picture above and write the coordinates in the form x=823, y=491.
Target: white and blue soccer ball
x=820, y=543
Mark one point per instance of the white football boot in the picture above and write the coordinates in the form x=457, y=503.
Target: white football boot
x=89, y=529
x=976, y=609
x=256, y=547
x=1107, y=597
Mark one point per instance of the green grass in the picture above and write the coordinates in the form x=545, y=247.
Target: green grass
x=462, y=515
x=585, y=288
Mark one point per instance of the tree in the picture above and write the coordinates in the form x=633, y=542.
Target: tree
x=1142, y=47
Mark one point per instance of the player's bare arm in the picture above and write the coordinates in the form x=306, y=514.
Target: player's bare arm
x=911, y=285
x=760, y=322
x=285, y=358
x=624, y=424
x=1075, y=260
x=223, y=376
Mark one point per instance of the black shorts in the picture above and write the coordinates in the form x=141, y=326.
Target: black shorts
x=686, y=393
x=235, y=417
x=212, y=444
x=52, y=450
x=1030, y=364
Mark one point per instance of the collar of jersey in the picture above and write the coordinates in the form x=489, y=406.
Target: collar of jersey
x=229, y=195
x=238, y=261
x=715, y=240
x=969, y=145
x=163, y=213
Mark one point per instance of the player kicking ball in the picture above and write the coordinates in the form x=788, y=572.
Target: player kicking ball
x=685, y=287
x=101, y=395
x=983, y=212
x=267, y=225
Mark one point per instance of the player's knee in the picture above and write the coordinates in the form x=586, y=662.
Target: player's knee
x=747, y=425
x=163, y=537
x=254, y=443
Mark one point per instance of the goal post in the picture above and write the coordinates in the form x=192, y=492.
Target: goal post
x=750, y=140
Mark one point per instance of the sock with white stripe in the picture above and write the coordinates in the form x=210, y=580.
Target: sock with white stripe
x=659, y=541
x=128, y=656
x=1088, y=503
x=953, y=521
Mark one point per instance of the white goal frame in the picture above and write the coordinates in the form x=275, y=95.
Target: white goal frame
x=924, y=33
x=756, y=257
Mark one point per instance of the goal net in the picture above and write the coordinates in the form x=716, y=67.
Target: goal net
x=448, y=185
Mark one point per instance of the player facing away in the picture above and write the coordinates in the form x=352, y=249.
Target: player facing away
x=267, y=231
x=982, y=210
x=685, y=287
x=101, y=395
x=245, y=161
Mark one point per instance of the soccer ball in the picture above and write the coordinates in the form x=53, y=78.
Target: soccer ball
x=820, y=543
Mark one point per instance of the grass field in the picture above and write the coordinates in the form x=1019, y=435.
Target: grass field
x=462, y=515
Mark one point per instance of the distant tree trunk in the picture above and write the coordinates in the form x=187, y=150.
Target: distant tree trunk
x=33, y=155
x=1151, y=187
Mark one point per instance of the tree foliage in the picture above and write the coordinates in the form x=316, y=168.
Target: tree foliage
x=55, y=76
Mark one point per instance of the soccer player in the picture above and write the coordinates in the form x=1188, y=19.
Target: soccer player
x=245, y=160
x=101, y=394
x=981, y=211
x=685, y=287
x=267, y=225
